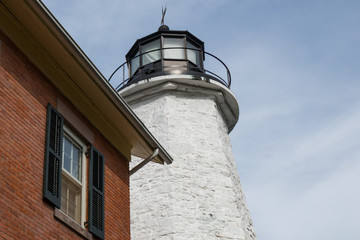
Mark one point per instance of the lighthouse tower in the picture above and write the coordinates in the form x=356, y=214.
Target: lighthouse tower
x=190, y=110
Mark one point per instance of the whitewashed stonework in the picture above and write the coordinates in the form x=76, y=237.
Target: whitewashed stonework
x=199, y=195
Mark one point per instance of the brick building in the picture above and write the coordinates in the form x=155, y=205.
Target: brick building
x=66, y=137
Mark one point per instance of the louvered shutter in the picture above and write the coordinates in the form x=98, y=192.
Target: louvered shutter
x=96, y=193
x=53, y=156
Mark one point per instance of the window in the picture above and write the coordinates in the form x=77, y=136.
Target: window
x=176, y=50
x=193, y=55
x=65, y=174
x=73, y=179
x=134, y=64
x=151, y=52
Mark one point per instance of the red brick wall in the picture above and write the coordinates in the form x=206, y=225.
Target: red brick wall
x=24, y=95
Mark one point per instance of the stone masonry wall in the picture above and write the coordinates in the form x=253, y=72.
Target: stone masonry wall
x=199, y=195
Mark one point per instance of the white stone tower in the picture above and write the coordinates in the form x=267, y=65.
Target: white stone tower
x=190, y=110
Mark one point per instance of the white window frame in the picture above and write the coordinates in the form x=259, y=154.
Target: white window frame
x=83, y=183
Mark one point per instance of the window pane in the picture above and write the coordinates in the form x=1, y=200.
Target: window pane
x=76, y=163
x=174, y=53
x=63, y=193
x=134, y=64
x=71, y=199
x=72, y=158
x=153, y=55
x=72, y=202
x=67, y=155
x=193, y=55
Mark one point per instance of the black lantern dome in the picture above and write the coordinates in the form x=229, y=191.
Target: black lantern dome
x=163, y=28
x=167, y=52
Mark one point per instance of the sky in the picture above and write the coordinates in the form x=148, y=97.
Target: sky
x=295, y=69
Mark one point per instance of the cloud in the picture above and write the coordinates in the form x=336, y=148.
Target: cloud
x=304, y=184
x=295, y=68
x=327, y=210
x=297, y=145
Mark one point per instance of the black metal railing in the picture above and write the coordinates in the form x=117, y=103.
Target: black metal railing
x=122, y=76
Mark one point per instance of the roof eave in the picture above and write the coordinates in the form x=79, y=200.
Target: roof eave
x=57, y=55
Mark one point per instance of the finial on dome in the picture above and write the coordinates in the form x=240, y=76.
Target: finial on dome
x=163, y=12
x=163, y=27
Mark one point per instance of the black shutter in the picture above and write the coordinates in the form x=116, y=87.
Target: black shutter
x=96, y=193
x=53, y=156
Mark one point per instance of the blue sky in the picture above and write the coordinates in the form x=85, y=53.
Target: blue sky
x=295, y=69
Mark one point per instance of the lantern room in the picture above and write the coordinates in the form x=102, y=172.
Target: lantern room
x=164, y=52
x=168, y=52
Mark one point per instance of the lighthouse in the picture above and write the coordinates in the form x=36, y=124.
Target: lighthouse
x=191, y=110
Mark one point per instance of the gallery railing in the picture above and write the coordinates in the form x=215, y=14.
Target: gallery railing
x=123, y=76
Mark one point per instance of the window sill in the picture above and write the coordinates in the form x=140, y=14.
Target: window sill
x=62, y=217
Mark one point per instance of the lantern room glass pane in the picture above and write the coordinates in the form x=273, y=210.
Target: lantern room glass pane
x=151, y=52
x=174, y=53
x=134, y=64
x=193, y=55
